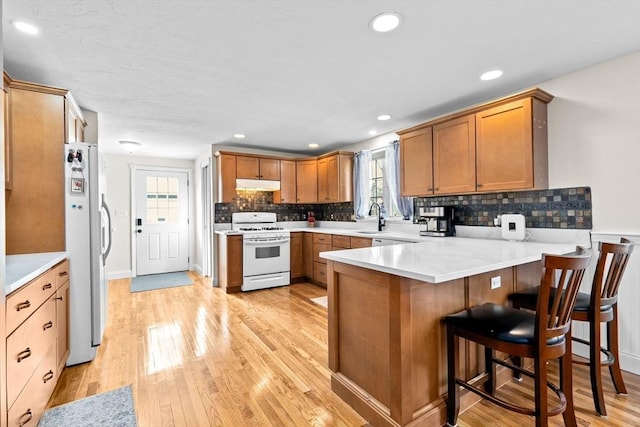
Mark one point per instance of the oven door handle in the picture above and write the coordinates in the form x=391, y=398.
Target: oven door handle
x=266, y=241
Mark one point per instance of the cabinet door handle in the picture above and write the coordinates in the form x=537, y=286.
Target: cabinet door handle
x=60, y=298
x=47, y=325
x=25, y=418
x=24, y=354
x=48, y=376
x=63, y=273
x=479, y=185
x=47, y=286
x=23, y=305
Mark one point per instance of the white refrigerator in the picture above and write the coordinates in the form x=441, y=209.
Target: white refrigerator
x=88, y=241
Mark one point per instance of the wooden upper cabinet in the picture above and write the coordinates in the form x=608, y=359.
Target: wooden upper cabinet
x=249, y=167
x=454, y=156
x=500, y=145
x=270, y=169
x=35, y=220
x=510, y=155
x=226, y=178
x=416, y=163
x=287, y=193
x=307, y=181
x=335, y=178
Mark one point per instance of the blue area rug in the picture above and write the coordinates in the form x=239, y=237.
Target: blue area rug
x=111, y=409
x=160, y=281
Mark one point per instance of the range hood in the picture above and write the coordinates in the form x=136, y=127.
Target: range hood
x=257, y=185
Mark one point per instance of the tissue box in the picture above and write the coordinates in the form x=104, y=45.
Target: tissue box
x=513, y=227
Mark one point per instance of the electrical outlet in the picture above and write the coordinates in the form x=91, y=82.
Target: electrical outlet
x=495, y=282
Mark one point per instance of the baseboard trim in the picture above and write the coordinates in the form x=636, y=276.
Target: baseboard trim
x=123, y=274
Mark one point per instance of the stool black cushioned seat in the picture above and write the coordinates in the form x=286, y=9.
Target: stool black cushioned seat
x=539, y=335
x=599, y=306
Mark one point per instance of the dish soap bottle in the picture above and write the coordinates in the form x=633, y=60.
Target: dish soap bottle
x=311, y=220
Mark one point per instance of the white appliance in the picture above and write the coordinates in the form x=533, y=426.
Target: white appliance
x=88, y=240
x=513, y=227
x=265, y=248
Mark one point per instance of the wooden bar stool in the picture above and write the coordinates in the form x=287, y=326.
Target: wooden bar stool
x=539, y=335
x=601, y=305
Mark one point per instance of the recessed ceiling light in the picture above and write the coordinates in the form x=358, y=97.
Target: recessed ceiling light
x=490, y=75
x=385, y=22
x=239, y=135
x=373, y=132
x=383, y=117
x=313, y=145
x=26, y=27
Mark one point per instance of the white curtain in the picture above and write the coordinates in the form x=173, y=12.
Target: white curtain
x=361, y=179
x=392, y=175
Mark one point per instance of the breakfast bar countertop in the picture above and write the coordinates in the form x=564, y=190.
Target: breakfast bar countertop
x=444, y=259
x=21, y=269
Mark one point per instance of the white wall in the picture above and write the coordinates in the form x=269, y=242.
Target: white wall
x=594, y=139
x=199, y=162
x=118, y=176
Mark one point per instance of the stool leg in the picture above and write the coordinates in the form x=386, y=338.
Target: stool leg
x=453, y=398
x=612, y=345
x=490, y=369
x=595, y=367
x=566, y=383
x=540, y=380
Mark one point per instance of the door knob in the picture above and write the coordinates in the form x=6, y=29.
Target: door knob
x=139, y=231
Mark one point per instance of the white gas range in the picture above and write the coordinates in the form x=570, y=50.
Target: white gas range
x=266, y=249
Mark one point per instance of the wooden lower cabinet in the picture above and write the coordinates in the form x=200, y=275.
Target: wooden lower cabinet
x=387, y=343
x=37, y=346
x=297, y=257
x=230, y=273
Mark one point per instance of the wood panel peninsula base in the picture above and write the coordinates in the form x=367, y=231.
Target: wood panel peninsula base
x=387, y=345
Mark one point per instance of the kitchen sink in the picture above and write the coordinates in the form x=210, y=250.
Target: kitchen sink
x=369, y=232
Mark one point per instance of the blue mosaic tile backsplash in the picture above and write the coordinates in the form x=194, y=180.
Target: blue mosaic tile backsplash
x=568, y=208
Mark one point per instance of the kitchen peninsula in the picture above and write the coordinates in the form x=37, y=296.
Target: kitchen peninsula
x=387, y=346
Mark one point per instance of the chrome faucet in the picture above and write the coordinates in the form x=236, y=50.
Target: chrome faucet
x=380, y=219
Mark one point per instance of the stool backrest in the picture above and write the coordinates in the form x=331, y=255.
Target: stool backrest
x=611, y=265
x=565, y=273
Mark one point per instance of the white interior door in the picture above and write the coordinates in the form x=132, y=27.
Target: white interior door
x=161, y=222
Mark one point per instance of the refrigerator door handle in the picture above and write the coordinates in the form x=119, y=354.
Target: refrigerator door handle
x=105, y=253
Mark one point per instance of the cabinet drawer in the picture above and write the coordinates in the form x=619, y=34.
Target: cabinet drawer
x=320, y=247
x=320, y=272
x=28, y=298
x=30, y=404
x=342, y=242
x=27, y=346
x=61, y=272
x=360, y=242
x=322, y=238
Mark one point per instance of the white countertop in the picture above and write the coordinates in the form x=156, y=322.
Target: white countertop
x=21, y=269
x=442, y=259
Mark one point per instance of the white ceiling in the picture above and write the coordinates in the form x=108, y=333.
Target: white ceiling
x=181, y=75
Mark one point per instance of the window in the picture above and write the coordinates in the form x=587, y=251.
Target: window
x=162, y=199
x=379, y=187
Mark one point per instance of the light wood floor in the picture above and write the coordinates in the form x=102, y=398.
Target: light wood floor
x=198, y=357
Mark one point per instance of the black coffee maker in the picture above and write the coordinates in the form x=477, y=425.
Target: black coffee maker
x=438, y=221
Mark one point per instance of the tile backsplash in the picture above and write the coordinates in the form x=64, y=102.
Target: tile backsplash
x=568, y=208
x=262, y=201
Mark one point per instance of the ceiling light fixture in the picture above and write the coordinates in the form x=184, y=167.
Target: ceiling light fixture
x=385, y=22
x=130, y=146
x=490, y=75
x=373, y=132
x=26, y=27
x=313, y=145
x=239, y=135
x=383, y=117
